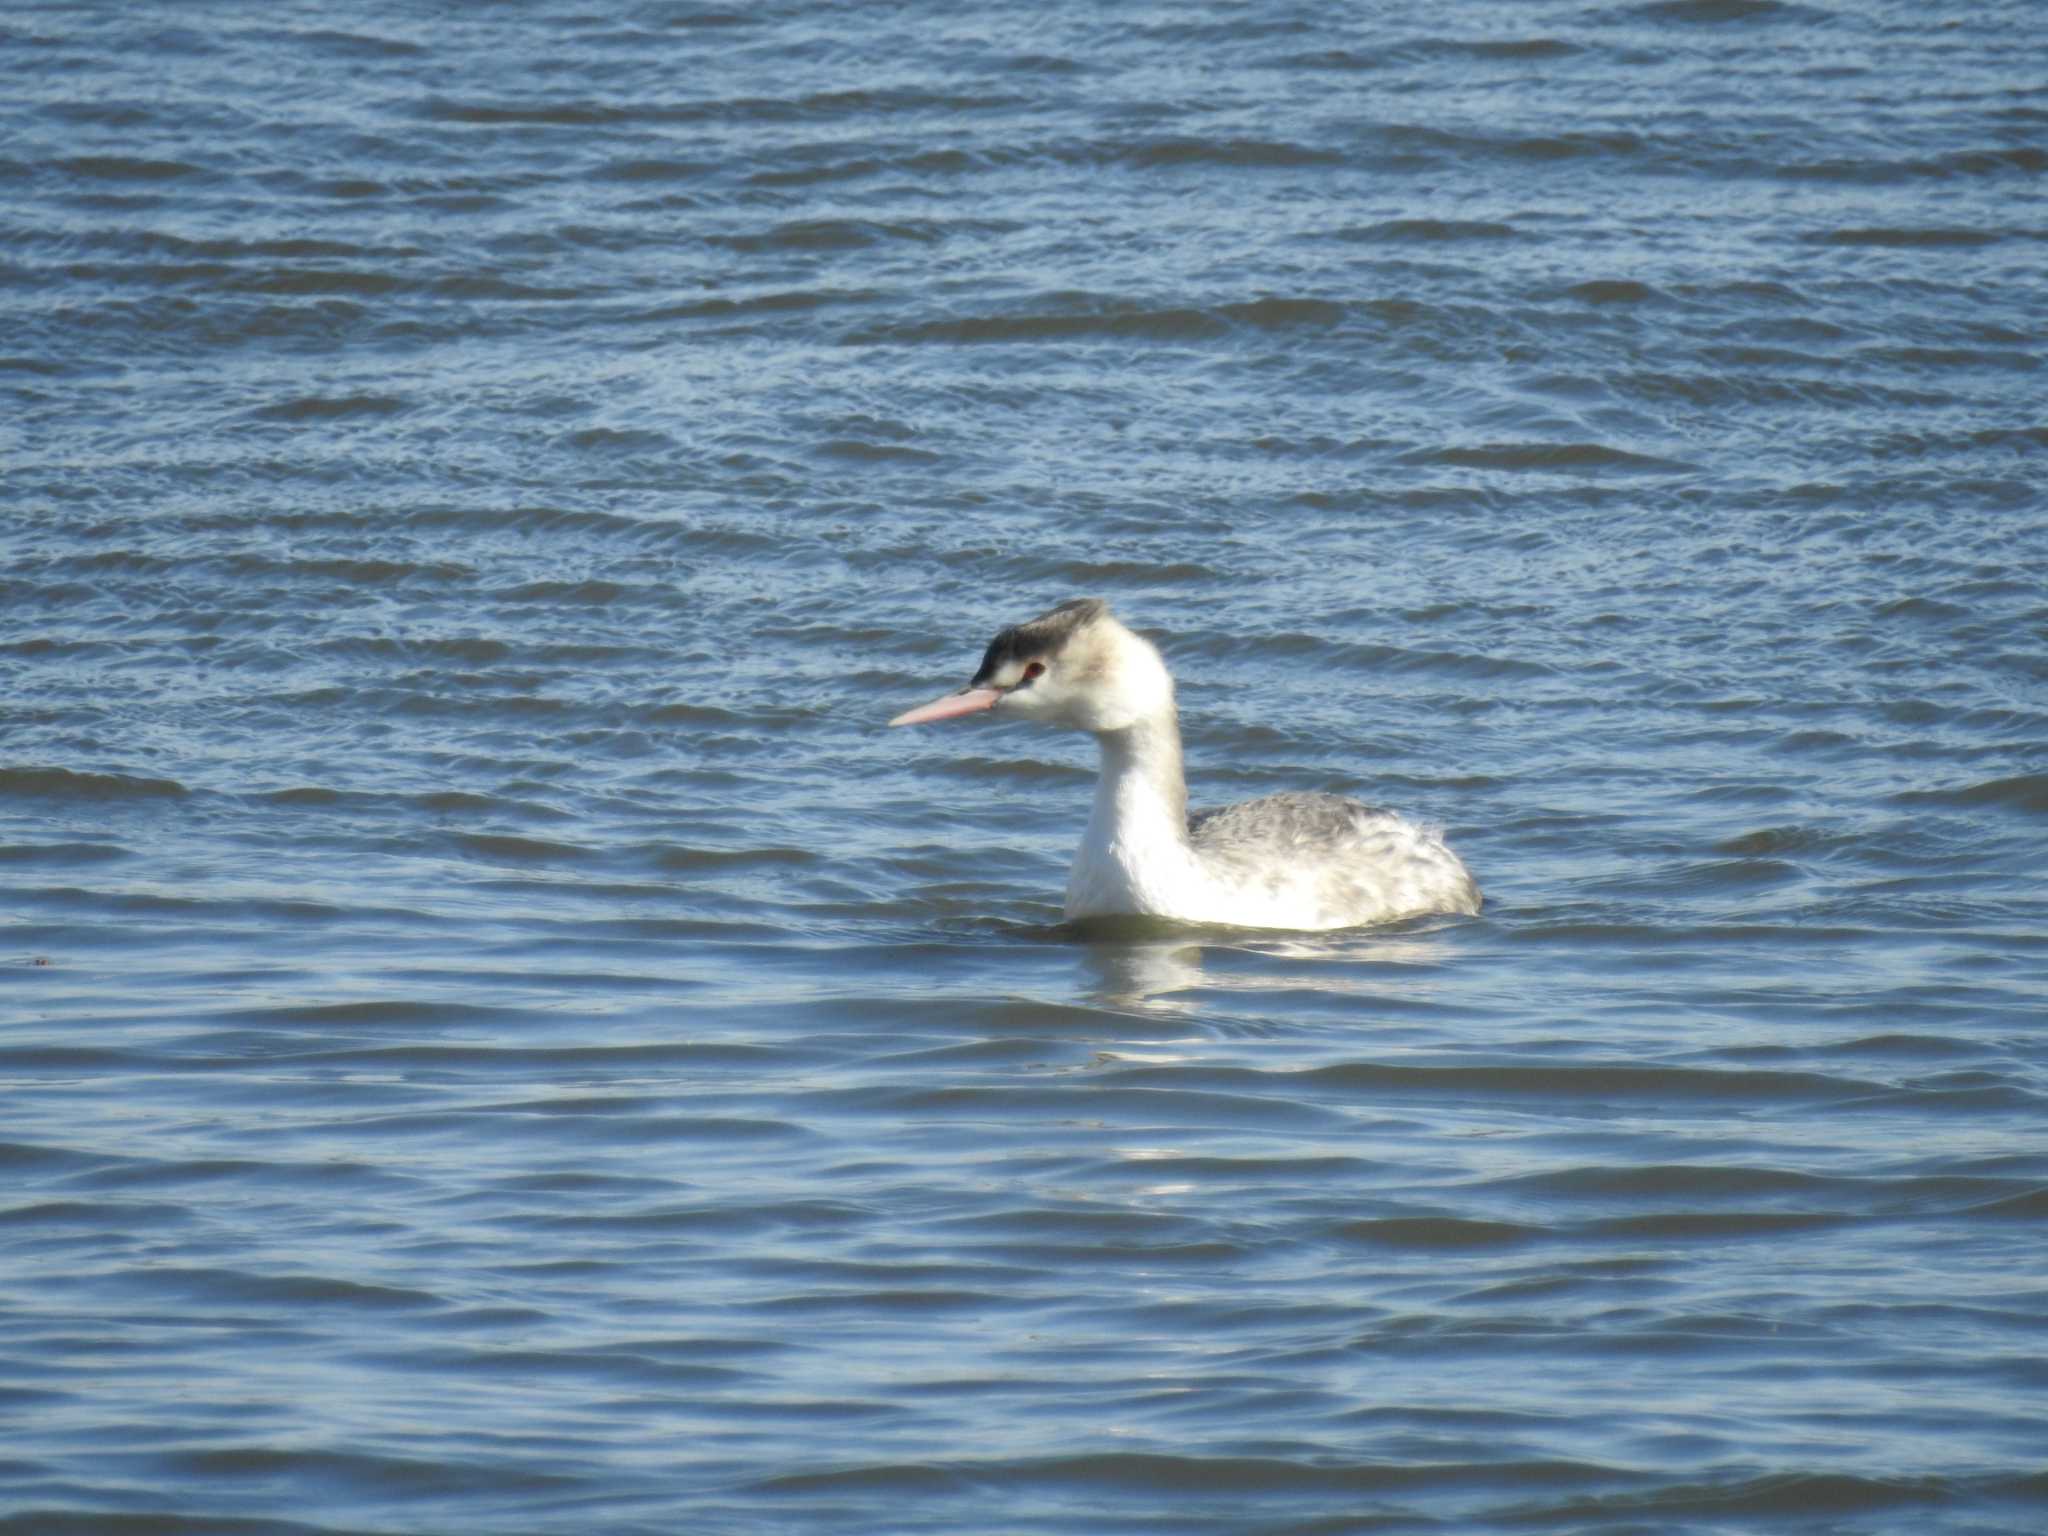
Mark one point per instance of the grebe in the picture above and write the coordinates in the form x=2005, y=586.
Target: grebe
x=1301, y=861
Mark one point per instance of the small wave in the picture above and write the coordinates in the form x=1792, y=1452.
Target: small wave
x=1436, y=1233
x=1275, y=313
x=2024, y=792
x=1809, y=1499
x=1548, y=458
x=1907, y=238
x=1395, y=231
x=100, y=1215
x=1411, y=141
x=1428, y=48
x=795, y=302
x=503, y=848
x=687, y=859
x=1953, y=357
x=1114, y=325
x=357, y=45
x=654, y=170
x=328, y=408
x=1210, y=1476
x=1256, y=153
x=123, y=168
x=2030, y=1206
x=1127, y=573
x=60, y=854
x=1597, y=1081
x=1613, y=291
x=1722, y=12
x=1710, y=1226
x=365, y=1013
x=234, y=1287
x=321, y=282
x=828, y=235
x=620, y=440
x=1083, y=318
x=860, y=451
x=1778, y=842
x=74, y=784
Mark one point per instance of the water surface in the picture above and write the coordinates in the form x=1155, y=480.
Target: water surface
x=496, y=1037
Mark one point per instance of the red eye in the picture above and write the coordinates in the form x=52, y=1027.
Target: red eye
x=1034, y=670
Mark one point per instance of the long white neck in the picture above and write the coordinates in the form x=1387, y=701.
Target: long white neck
x=1135, y=856
x=1142, y=795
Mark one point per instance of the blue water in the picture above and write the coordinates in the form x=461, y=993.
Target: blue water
x=496, y=1037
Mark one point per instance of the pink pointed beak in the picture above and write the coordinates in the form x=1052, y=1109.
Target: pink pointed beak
x=966, y=702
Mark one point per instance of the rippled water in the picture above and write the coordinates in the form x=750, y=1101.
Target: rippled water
x=494, y=1035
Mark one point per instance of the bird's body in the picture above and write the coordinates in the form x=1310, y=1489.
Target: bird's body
x=1299, y=861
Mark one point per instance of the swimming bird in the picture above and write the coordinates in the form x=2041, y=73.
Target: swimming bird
x=1299, y=861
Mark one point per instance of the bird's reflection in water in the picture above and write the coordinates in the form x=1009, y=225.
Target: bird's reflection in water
x=1160, y=967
